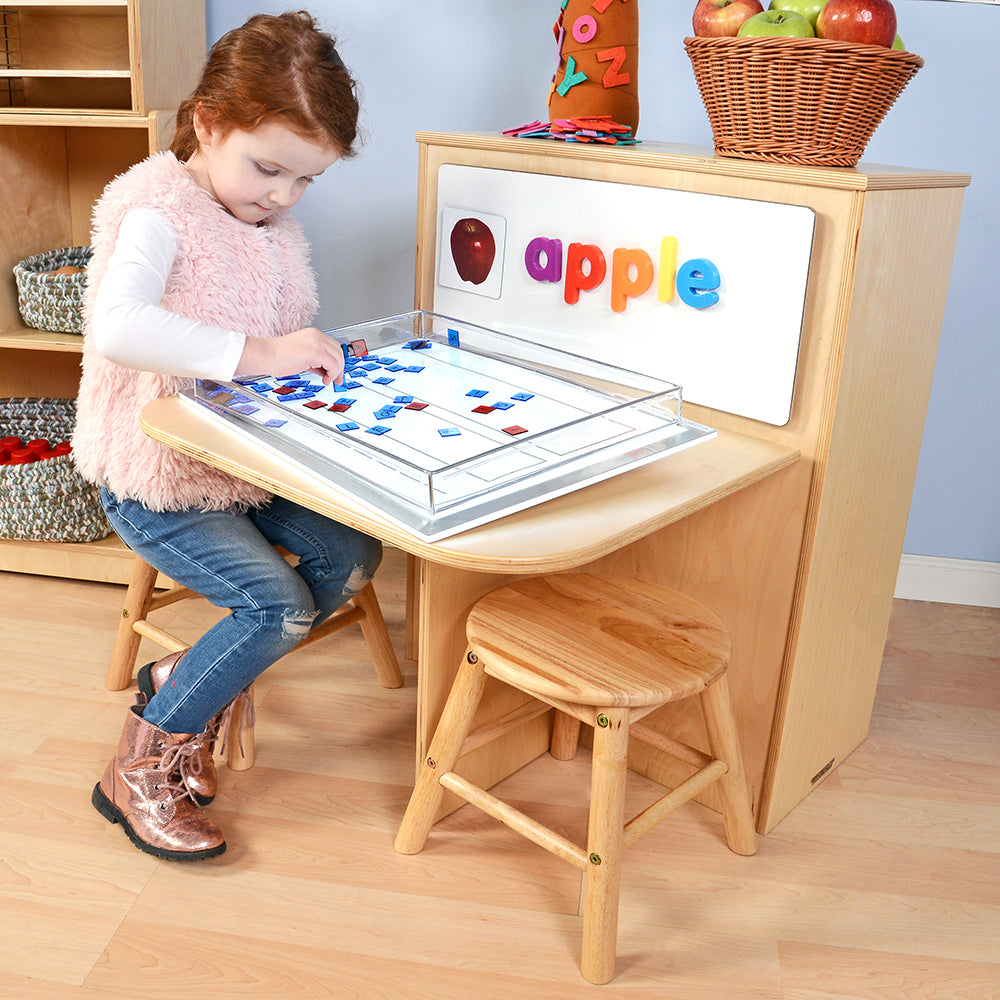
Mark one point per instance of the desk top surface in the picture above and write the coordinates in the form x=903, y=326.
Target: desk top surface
x=559, y=534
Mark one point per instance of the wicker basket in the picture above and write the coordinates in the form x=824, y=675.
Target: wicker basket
x=46, y=501
x=52, y=301
x=809, y=101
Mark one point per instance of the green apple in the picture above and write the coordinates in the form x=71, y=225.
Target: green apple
x=809, y=9
x=776, y=23
x=898, y=44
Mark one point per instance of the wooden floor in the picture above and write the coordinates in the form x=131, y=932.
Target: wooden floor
x=883, y=884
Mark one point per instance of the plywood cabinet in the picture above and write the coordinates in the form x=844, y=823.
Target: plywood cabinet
x=86, y=90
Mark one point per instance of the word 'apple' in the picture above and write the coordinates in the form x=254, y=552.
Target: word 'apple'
x=722, y=18
x=865, y=22
x=473, y=249
x=633, y=272
x=776, y=24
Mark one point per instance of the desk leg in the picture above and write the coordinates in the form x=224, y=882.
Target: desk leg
x=445, y=596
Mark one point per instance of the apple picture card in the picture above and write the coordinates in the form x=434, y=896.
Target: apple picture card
x=706, y=291
x=476, y=243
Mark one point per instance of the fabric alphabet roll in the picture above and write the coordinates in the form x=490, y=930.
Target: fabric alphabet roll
x=598, y=61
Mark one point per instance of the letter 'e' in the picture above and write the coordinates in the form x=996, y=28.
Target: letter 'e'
x=697, y=280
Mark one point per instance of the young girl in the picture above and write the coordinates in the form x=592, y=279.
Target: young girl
x=200, y=271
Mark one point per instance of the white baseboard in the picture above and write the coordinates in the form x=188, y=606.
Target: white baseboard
x=949, y=581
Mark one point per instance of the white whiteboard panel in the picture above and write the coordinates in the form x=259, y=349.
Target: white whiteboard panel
x=737, y=354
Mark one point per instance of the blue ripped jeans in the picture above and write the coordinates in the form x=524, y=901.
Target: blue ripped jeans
x=230, y=559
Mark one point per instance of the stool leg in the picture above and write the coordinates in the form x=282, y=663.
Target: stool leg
x=241, y=748
x=724, y=742
x=605, y=842
x=565, y=736
x=377, y=639
x=137, y=598
x=453, y=727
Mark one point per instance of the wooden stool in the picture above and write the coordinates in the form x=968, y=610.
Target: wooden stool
x=604, y=651
x=141, y=600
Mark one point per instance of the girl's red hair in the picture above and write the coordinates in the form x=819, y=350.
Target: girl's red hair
x=279, y=67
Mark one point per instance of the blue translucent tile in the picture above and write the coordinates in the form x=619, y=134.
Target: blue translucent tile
x=377, y=429
x=371, y=366
x=503, y=405
x=523, y=396
x=352, y=385
x=395, y=368
x=246, y=408
x=350, y=425
x=415, y=368
x=384, y=381
x=453, y=338
x=274, y=422
x=479, y=393
x=403, y=399
x=447, y=432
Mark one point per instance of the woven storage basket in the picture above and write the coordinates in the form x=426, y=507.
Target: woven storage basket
x=52, y=301
x=46, y=501
x=810, y=101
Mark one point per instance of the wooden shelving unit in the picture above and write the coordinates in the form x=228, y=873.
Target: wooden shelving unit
x=86, y=90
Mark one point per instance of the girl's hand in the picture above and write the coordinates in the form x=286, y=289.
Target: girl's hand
x=308, y=349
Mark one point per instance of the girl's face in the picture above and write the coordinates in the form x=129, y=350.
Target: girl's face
x=253, y=174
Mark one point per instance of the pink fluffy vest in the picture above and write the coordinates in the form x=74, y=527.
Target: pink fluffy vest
x=255, y=279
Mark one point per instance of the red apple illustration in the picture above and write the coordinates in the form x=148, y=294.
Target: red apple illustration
x=473, y=249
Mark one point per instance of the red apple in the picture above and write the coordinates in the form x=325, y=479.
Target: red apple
x=867, y=22
x=472, y=249
x=720, y=18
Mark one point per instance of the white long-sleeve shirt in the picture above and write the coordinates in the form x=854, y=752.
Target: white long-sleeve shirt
x=133, y=330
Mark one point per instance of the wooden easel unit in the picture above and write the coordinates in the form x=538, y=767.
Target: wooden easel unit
x=801, y=566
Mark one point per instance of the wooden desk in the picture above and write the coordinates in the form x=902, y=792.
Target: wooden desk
x=616, y=525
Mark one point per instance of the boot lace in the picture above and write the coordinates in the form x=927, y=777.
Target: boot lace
x=180, y=763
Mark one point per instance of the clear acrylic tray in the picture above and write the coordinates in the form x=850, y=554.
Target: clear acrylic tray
x=442, y=425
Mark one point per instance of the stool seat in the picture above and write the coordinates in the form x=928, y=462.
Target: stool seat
x=605, y=652
x=598, y=640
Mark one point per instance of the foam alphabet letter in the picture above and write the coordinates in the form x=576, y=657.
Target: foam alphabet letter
x=697, y=280
x=552, y=251
x=577, y=279
x=623, y=285
x=615, y=56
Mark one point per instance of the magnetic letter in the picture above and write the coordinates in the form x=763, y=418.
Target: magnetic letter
x=616, y=56
x=668, y=268
x=576, y=279
x=552, y=250
x=623, y=286
x=697, y=280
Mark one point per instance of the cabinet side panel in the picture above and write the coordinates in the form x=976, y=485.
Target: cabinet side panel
x=169, y=37
x=900, y=286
